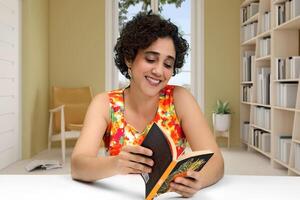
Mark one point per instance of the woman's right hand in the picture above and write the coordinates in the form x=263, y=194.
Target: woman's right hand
x=134, y=159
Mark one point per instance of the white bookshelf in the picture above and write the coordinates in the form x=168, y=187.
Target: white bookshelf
x=284, y=121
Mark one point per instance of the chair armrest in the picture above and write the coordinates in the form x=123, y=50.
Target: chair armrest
x=57, y=109
x=62, y=117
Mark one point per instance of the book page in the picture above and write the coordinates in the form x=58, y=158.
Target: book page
x=193, y=161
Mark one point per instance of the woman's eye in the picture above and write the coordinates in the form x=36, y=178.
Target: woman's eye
x=150, y=60
x=168, y=66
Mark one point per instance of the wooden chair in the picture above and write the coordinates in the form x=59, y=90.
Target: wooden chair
x=69, y=106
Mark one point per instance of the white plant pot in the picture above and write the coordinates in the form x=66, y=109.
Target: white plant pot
x=221, y=122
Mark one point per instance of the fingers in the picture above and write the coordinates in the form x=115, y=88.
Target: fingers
x=141, y=159
x=187, y=186
x=136, y=155
x=184, y=190
x=136, y=149
x=133, y=159
x=193, y=174
x=128, y=170
x=136, y=166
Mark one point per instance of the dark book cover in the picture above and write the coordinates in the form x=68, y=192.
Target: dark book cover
x=166, y=165
x=162, y=156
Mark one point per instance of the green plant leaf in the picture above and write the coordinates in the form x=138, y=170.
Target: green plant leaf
x=222, y=107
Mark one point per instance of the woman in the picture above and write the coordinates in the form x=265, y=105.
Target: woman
x=148, y=52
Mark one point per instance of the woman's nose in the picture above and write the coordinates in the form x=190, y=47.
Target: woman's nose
x=157, y=70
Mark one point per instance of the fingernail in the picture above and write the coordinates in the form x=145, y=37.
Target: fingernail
x=150, y=153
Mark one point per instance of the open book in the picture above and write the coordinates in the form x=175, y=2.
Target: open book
x=166, y=165
x=43, y=164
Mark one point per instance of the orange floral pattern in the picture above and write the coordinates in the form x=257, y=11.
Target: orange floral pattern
x=120, y=133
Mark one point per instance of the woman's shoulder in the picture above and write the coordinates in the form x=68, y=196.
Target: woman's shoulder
x=101, y=96
x=101, y=100
x=182, y=98
x=179, y=91
x=105, y=96
x=105, y=99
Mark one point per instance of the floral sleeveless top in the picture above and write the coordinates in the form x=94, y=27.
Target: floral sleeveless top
x=120, y=133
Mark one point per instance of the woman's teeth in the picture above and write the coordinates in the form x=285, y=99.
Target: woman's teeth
x=153, y=81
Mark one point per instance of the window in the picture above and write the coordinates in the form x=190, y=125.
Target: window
x=183, y=14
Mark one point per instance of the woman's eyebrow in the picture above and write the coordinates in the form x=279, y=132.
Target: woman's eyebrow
x=157, y=54
x=152, y=52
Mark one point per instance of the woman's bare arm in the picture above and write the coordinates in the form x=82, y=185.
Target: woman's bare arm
x=199, y=137
x=86, y=165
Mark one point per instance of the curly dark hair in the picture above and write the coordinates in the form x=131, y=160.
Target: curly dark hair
x=140, y=33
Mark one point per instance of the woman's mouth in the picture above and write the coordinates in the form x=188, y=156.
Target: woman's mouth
x=153, y=81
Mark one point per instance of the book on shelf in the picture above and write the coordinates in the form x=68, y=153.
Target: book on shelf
x=266, y=22
x=247, y=93
x=295, y=8
x=167, y=164
x=260, y=139
x=262, y=117
x=267, y=118
x=255, y=137
x=265, y=46
x=253, y=8
x=286, y=11
x=285, y=150
x=280, y=64
x=249, y=11
x=279, y=13
x=297, y=157
x=287, y=94
x=287, y=68
x=243, y=15
x=249, y=31
x=283, y=147
x=266, y=142
x=248, y=65
x=263, y=85
x=250, y=138
x=295, y=67
x=245, y=131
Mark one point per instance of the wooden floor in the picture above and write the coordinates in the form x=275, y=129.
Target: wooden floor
x=237, y=161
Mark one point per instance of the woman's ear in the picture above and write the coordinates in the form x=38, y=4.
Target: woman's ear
x=128, y=63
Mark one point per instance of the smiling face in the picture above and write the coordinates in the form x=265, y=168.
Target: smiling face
x=153, y=67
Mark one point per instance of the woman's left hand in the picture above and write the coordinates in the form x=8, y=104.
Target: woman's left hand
x=187, y=186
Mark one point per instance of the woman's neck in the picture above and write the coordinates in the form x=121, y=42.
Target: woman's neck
x=138, y=102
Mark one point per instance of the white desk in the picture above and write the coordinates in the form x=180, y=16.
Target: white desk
x=131, y=187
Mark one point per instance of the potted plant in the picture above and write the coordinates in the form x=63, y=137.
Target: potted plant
x=222, y=116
